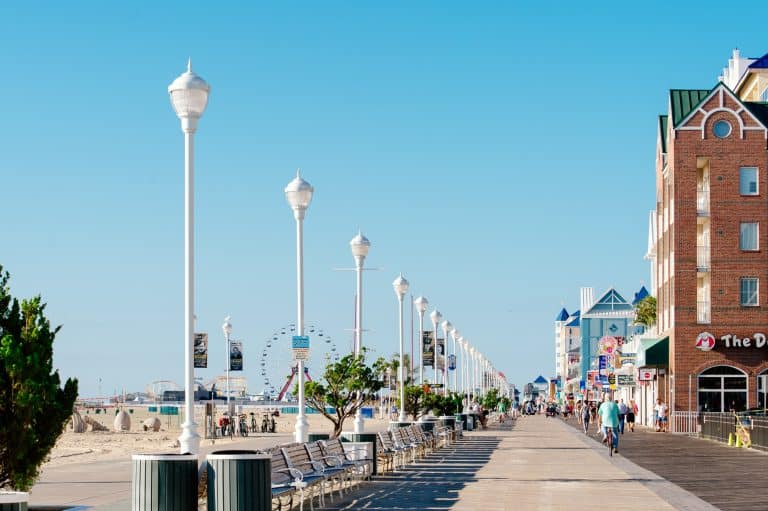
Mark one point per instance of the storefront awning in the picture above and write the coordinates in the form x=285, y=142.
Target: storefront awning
x=653, y=352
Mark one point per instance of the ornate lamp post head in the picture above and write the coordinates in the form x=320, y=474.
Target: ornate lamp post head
x=298, y=193
x=421, y=304
x=435, y=316
x=227, y=326
x=189, y=97
x=400, y=286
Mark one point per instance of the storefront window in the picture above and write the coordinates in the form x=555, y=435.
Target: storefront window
x=722, y=389
x=762, y=389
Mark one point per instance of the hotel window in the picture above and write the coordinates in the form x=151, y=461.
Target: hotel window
x=762, y=389
x=748, y=180
x=722, y=389
x=748, y=235
x=748, y=286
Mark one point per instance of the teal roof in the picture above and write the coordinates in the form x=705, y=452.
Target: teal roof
x=609, y=302
x=563, y=316
x=663, y=132
x=685, y=101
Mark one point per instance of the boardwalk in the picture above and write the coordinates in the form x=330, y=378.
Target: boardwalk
x=539, y=464
x=729, y=478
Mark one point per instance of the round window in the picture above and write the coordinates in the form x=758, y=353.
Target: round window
x=721, y=129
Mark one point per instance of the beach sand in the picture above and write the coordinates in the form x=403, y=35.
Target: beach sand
x=110, y=445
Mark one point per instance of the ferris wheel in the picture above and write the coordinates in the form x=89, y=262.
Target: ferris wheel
x=276, y=365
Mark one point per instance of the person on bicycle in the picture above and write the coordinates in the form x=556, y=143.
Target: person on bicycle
x=609, y=418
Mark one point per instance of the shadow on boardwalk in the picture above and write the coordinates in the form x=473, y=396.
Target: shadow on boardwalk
x=729, y=478
x=433, y=482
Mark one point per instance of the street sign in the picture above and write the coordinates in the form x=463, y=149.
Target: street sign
x=300, y=348
x=626, y=380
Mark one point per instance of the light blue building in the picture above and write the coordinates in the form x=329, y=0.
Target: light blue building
x=610, y=315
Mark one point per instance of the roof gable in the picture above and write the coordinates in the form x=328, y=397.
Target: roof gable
x=697, y=117
x=760, y=63
x=540, y=380
x=611, y=301
x=563, y=316
x=684, y=101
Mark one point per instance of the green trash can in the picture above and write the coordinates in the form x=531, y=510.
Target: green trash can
x=164, y=482
x=13, y=501
x=314, y=437
x=239, y=481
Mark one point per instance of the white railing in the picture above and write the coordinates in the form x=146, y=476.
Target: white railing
x=685, y=422
x=703, y=312
x=702, y=257
x=702, y=202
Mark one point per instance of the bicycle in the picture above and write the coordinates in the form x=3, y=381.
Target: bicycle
x=609, y=439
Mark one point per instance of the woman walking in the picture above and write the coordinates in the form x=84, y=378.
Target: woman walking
x=585, y=415
x=631, y=414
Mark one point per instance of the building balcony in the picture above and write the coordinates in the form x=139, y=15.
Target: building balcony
x=703, y=257
x=702, y=202
x=703, y=312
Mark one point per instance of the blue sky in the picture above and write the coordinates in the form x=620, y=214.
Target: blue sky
x=500, y=156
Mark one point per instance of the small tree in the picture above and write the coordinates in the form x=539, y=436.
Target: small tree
x=33, y=407
x=491, y=399
x=345, y=386
x=646, y=311
x=414, y=400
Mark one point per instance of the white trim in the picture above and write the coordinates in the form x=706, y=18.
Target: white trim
x=13, y=497
x=164, y=457
x=236, y=457
x=720, y=88
x=722, y=109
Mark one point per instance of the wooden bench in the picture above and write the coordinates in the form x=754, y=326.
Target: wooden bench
x=360, y=467
x=313, y=473
x=386, y=457
x=333, y=466
x=389, y=445
x=285, y=482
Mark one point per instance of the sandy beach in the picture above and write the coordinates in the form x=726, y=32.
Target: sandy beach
x=111, y=445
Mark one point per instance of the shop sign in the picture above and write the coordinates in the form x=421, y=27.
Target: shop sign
x=705, y=341
x=628, y=358
x=626, y=380
x=646, y=374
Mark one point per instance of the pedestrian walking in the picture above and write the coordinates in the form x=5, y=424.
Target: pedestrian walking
x=623, y=411
x=584, y=417
x=660, y=413
x=631, y=414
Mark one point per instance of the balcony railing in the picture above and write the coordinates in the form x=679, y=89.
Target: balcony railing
x=703, y=257
x=702, y=202
x=703, y=312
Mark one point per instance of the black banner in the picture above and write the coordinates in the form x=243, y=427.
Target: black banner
x=201, y=351
x=428, y=349
x=236, y=356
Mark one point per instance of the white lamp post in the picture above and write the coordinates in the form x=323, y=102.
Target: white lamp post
x=455, y=335
x=435, y=316
x=401, y=287
x=360, y=246
x=227, y=328
x=447, y=328
x=189, y=96
x=298, y=193
x=421, y=305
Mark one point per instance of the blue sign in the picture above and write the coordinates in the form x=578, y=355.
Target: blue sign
x=300, y=341
x=451, y=362
x=582, y=385
x=603, y=369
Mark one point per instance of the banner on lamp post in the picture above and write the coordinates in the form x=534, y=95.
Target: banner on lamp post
x=236, y=356
x=428, y=349
x=201, y=351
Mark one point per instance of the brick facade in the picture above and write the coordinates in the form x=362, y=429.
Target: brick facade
x=677, y=176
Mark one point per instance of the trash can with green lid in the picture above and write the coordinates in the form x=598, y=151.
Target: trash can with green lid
x=164, y=482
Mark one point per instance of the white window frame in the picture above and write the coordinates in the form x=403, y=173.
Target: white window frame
x=741, y=181
x=756, y=248
x=742, y=281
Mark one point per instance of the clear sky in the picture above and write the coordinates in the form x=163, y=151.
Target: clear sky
x=500, y=156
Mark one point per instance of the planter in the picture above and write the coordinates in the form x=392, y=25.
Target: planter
x=239, y=480
x=369, y=441
x=13, y=501
x=164, y=482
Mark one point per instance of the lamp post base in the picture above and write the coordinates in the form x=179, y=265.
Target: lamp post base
x=189, y=441
x=301, y=430
x=359, y=422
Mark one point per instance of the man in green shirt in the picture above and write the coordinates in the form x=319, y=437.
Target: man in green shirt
x=609, y=418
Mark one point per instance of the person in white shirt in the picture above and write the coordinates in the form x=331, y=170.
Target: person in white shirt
x=660, y=411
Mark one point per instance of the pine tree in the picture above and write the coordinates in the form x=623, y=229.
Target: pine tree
x=33, y=407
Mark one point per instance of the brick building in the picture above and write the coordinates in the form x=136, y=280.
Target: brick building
x=710, y=259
